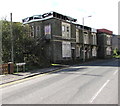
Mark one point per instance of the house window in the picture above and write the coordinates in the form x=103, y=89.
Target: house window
x=32, y=31
x=77, y=51
x=66, y=30
x=86, y=39
x=37, y=31
x=94, y=38
x=66, y=49
x=47, y=29
x=94, y=52
x=77, y=35
x=63, y=28
x=108, y=40
x=108, y=51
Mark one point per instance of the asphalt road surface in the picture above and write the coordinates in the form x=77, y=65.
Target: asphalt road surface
x=94, y=83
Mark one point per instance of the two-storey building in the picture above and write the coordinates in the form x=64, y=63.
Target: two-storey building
x=104, y=43
x=61, y=38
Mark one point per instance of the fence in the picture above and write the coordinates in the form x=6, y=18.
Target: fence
x=7, y=68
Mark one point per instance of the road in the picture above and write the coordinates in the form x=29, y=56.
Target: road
x=93, y=83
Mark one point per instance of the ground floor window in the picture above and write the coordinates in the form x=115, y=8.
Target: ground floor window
x=77, y=51
x=94, y=52
x=66, y=49
x=108, y=51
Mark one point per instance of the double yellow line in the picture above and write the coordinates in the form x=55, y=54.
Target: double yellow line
x=25, y=79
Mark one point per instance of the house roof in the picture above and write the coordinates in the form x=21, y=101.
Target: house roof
x=47, y=16
x=105, y=31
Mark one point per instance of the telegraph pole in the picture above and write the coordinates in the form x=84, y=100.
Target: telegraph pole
x=11, y=33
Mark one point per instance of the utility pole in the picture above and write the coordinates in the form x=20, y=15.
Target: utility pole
x=0, y=44
x=11, y=33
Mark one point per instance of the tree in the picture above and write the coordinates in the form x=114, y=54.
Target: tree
x=115, y=51
x=26, y=48
x=20, y=36
x=6, y=48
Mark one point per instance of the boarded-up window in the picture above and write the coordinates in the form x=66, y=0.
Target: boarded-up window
x=37, y=31
x=63, y=28
x=108, y=51
x=108, y=40
x=77, y=51
x=66, y=49
x=47, y=30
x=77, y=36
x=94, y=40
x=86, y=38
x=94, y=52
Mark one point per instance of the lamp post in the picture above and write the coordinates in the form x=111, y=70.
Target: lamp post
x=83, y=37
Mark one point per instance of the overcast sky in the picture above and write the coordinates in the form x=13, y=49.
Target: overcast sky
x=104, y=12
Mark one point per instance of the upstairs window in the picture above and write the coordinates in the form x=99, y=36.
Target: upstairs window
x=32, y=31
x=37, y=31
x=63, y=28
x=94, y=38
x=47, y=29
x=86, y=39
x=68, y=29
x=108, y=40
x=77, y=36
x=66, y=33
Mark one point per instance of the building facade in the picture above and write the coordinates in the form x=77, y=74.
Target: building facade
x=104, y=43
x=62, y=39
x=116, y=42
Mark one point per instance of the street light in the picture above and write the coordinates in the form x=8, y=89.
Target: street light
x=83, y=37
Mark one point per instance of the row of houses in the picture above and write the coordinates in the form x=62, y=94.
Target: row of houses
x=63, y=40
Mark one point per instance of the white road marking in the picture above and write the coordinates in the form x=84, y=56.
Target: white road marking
x=93, y=98
x=115, y=72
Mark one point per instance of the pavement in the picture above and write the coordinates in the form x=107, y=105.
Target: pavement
x=22, y=75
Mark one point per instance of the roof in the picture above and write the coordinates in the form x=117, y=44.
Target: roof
x=46, y=16
x=105, y=31
x=85, y=27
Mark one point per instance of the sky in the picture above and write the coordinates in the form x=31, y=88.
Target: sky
x=104, y=12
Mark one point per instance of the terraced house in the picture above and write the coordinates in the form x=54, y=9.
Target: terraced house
x=104, y=43
x=62, y=39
